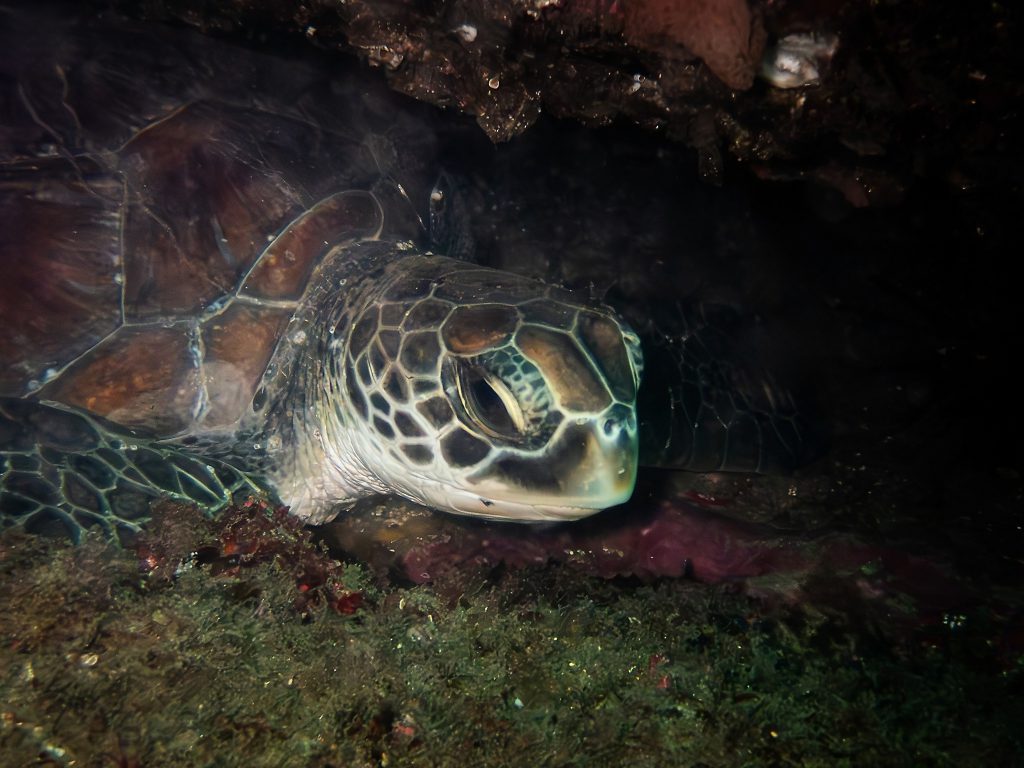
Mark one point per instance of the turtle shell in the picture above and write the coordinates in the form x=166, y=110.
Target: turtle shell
x=152, y=288
x=153, y=254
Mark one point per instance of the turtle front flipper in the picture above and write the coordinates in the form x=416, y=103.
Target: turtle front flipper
x=707, y=404
x=63, y=471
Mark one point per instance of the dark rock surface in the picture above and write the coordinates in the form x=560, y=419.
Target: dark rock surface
x=906, y=88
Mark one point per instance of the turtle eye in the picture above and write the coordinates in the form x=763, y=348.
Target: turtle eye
x=490, y=403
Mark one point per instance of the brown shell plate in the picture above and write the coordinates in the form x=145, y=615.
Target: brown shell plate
x=148, y=274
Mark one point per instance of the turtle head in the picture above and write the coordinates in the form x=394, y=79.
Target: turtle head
x=485, y=393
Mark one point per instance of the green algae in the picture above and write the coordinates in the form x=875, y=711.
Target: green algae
x=102, y=665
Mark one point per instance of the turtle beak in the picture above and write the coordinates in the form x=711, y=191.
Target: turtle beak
x=605, y=473
x=590, y=466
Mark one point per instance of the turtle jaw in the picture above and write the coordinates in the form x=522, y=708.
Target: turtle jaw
x=518, y=512
x=591, y=467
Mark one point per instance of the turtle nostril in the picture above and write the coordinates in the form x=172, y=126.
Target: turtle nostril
x=618, y=420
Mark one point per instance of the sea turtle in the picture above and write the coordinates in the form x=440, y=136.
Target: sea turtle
x=208, y=290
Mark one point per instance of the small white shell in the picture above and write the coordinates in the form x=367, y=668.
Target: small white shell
x=795, y=59
x=467, y=32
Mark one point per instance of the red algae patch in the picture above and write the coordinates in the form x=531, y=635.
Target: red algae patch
x=241, y=538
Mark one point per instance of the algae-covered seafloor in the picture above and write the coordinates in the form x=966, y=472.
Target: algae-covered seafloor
x=236, y=660
x=865, y=611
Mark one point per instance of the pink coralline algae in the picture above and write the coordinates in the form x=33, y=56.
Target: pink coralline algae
x=690, y=539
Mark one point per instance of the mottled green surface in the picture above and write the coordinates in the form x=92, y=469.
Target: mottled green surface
x=101, y=666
